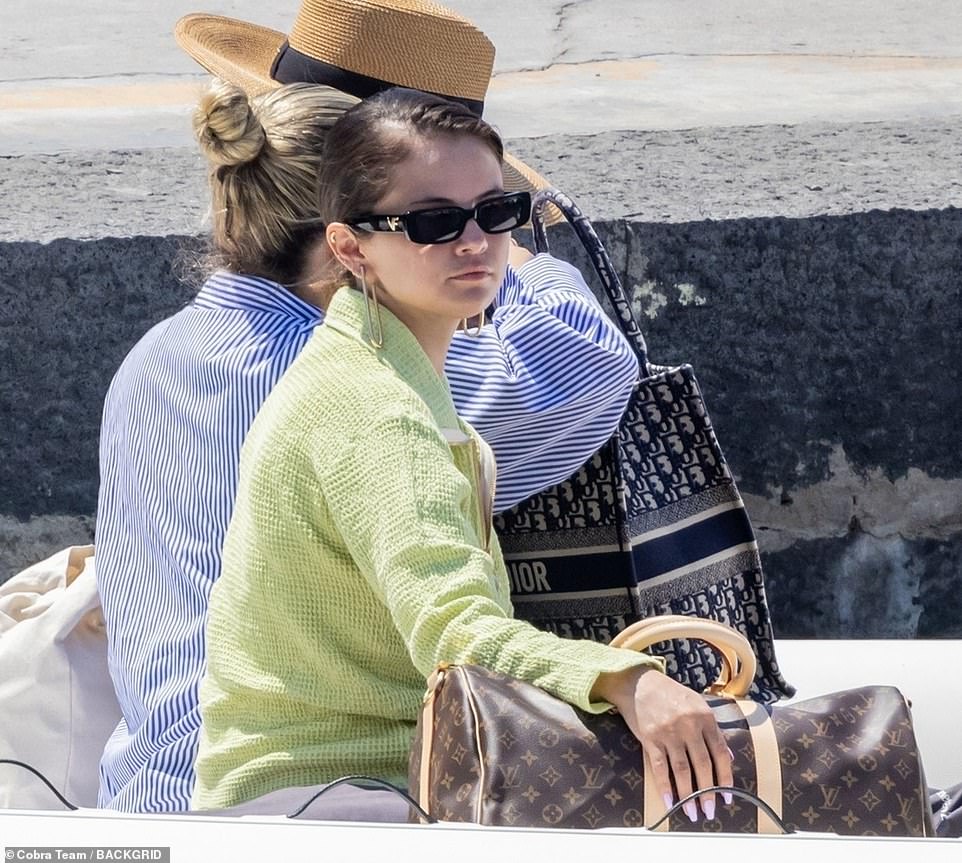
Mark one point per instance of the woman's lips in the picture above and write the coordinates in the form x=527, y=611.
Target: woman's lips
x=474, y=274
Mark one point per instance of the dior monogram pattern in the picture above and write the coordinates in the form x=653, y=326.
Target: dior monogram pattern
x=504, y=752
x=668, y=446
x=652, y=524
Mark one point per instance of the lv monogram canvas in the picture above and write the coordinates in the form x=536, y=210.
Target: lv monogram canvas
x=652, y=524
x=494, y=750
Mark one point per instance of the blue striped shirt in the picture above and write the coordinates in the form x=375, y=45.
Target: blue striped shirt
x=545, y=384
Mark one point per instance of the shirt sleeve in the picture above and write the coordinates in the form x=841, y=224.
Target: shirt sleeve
x=408, y=517
x=546, y=382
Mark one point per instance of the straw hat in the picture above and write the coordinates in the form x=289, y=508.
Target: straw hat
x=358, y=47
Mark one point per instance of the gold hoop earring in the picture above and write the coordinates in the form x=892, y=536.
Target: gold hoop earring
x=477, y=331
x=376, y=339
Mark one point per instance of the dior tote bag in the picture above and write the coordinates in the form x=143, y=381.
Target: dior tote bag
x=653, y=524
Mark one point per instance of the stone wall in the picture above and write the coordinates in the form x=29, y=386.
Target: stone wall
x=827, y=346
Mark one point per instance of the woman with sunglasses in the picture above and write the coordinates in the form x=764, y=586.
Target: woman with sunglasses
x=360, y=553
x=545, y=381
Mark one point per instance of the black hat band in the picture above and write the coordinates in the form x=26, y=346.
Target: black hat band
x=290, y=66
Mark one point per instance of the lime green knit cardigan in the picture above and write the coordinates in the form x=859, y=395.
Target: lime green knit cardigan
x=360, y=555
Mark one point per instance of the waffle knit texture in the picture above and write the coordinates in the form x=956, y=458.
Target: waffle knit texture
x=359, y=556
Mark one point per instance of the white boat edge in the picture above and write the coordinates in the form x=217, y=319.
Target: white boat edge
x=257, y=838
x=925, y=670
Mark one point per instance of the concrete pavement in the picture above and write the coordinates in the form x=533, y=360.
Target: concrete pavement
x=110, y=75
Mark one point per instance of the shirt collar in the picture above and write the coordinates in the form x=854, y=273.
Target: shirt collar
x=400, y=351
x=234, y=292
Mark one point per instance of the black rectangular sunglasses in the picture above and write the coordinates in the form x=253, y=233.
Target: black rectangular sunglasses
x=446, y=224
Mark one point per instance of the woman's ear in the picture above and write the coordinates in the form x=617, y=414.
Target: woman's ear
x=344, y=245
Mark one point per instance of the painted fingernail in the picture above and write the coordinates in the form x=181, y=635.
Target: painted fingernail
x=708, y=807
x=691, y=810
x=727, y=797
x=669, y=800
x=730, y=753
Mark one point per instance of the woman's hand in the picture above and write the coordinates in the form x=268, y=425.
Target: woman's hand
x=518, y=255
x=677, y=731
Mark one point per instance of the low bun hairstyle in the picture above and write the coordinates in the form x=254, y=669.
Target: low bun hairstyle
x=264, y=155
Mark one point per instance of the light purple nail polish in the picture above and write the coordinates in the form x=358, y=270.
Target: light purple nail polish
x=727, y=797
x=708, y=807
x=691, y=810
x=669, y=800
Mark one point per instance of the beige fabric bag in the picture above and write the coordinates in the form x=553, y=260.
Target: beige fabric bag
x=57, y=702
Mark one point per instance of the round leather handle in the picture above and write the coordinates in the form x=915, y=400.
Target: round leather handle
x=643, y=634
x=737, y=654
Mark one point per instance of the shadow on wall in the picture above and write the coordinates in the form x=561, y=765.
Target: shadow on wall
x=810, y=337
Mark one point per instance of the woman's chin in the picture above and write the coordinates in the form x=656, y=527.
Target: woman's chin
x=473, y=298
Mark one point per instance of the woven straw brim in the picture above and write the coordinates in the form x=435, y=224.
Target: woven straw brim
x=239, y=53
x=242, y=54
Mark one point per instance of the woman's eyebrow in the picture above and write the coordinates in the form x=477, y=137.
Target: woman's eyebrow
x=448, y=202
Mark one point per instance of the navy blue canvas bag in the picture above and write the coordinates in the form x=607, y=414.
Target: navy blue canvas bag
x=652, y=524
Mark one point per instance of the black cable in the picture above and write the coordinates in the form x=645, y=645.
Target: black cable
x=370, y=780
x=728, y=789
x=43, y=779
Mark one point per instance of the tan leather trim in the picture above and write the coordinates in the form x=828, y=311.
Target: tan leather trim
x=482, y=778
x=768, y=764
x=427, y=741
x=654, y=806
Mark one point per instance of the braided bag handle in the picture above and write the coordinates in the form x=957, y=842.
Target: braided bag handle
x=599, y=260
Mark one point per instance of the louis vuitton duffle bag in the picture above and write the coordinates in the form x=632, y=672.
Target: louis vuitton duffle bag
x=490, y=749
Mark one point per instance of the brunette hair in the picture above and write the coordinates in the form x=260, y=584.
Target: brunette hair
x=264, y=155
x=365, y=146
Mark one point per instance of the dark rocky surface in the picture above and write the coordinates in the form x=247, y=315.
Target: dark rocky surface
x=810, y=274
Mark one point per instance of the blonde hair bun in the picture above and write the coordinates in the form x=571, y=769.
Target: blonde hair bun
x=263, y=156
x=226, y=127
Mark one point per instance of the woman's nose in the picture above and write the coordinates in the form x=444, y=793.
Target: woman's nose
x=472, y=239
